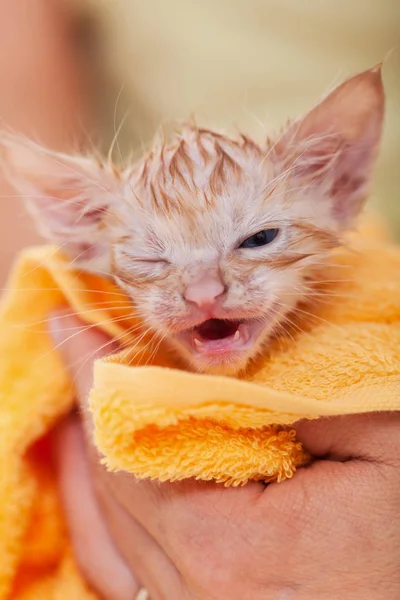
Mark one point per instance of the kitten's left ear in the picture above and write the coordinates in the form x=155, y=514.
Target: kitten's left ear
x=69, y=198
x=338, y=142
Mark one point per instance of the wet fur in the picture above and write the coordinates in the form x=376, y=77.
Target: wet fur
x=186, y=206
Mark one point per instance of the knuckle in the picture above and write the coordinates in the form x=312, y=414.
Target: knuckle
x=210, y=555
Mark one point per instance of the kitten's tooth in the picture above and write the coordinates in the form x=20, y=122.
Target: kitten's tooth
x=236, y=337
x=244, y=333
x=197, y=342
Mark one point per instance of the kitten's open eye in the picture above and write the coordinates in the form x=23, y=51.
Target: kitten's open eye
x=262, y=238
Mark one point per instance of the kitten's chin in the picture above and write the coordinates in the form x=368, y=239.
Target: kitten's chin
x=232, y=365
x=225, y=368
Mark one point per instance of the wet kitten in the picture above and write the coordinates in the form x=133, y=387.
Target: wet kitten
x=216, y=240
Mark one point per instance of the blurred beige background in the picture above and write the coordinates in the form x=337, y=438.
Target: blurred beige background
x=251, y=63
x=246, y=63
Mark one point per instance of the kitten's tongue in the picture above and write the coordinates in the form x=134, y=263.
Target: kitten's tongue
x=217, y=336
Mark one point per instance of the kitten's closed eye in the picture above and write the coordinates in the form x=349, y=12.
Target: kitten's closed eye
x=123, y=253
x=261, y=238
x=153, y=260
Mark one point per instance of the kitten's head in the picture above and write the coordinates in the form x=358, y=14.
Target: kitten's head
x=216, y=240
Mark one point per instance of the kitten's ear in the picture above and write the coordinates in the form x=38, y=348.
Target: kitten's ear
x=69, y=198
x=338, y=142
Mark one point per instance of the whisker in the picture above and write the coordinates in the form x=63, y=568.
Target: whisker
x=78, y=330
x=58, y=289
x=156, y=349
x=32, y=328
x=142, y=349
x=112, y=342
x=117, y=131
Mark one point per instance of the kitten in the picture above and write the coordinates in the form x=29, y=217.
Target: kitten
x=216, y=240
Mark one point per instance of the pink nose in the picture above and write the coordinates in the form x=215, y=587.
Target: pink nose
x=204, y=292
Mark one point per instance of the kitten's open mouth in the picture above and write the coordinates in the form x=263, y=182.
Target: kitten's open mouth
x=220, y=336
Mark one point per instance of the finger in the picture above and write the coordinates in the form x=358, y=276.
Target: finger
x=372, y=436
x=79, y=345
x=93, y=527
x=142, y=552
x=184, y=515
x=95, y=552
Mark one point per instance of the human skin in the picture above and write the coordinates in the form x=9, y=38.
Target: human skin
x=42, y=94
x=332, y=532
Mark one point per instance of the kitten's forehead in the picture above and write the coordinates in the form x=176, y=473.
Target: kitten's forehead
x=205, y=193
x=201, y=189
x=197, y=232
x=196, y=200
x=198, y=170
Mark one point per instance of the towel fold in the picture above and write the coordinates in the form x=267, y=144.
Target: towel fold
x=154, y=419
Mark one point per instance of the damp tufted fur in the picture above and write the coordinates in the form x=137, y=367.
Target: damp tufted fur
x=182, y=212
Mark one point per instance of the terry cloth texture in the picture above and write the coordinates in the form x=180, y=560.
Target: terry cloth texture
x=154, y=419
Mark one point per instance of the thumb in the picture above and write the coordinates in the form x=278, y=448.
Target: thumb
x=372, y=436
x=79, y=345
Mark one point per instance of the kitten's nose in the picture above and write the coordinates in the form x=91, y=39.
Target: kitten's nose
x=204, y=292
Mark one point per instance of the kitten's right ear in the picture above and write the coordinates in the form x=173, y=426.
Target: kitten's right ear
x=69, y=197
x=336, y=143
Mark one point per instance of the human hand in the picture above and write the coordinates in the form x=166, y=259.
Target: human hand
x=332, y=532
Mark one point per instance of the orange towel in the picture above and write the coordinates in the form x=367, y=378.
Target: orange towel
x=156, y=420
